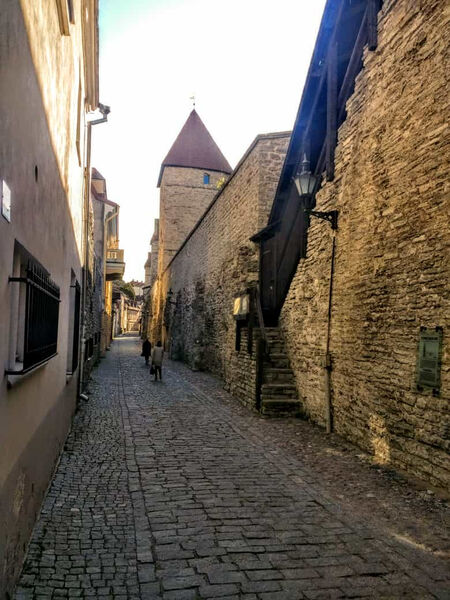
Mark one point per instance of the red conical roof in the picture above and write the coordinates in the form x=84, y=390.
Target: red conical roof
x=195, y=148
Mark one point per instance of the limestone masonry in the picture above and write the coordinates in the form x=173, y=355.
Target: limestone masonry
x=392, y=268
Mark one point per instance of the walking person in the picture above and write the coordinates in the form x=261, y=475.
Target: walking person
x=157, y=359
x=146, y=350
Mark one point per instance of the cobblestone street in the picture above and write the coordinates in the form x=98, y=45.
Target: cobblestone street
x=173, y=490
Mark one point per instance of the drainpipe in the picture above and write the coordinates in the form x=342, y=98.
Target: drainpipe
x=327, y=365
x=105, y=110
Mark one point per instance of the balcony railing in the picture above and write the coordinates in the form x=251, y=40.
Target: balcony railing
x=115, y=255
x=115, y=265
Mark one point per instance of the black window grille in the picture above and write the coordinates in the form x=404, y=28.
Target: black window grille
x=40, y=317
x=76, y=327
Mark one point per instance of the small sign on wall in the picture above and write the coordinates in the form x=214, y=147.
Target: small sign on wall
x=241, y=307
x=428, y=377
x=5, y=200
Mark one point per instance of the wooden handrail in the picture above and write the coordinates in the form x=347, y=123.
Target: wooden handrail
x=261, y=318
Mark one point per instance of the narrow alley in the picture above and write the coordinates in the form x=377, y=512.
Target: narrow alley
x=168, y=490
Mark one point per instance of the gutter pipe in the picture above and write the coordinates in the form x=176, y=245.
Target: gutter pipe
x=105, y=110
x=328, y=365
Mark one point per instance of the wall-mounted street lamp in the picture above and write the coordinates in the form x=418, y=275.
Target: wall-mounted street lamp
x=306, y=182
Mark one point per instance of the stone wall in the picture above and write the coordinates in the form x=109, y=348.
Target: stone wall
x=240, y=376
x=217, y=262
x=392, y=270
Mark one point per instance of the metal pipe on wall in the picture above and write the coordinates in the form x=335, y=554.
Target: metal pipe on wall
x=105, y=110
x=328, y=365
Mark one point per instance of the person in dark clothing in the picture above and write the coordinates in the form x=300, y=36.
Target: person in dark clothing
x=146, y=350
x=157, y=359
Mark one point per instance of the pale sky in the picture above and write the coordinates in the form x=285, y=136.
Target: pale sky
x=245, y=61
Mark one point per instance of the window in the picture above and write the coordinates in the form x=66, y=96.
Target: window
x=5, y=200
x=73, y=338
x=35, y=313
x=205, y=178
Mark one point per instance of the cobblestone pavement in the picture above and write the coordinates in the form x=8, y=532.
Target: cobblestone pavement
x=172, y=490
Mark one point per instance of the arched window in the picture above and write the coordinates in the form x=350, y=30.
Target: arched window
x=205, y=178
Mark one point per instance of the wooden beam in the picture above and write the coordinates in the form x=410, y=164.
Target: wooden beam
x=372, y=24
x=353, y=67
x=323, y=76
x=344, y=92
x=331, y=136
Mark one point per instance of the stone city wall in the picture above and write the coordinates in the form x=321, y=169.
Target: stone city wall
x=216, y=263
x=392, y=268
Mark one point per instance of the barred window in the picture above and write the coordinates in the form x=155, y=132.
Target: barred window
x=35, y=314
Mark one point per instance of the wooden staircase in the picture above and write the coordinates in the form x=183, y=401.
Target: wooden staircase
x=279, y=396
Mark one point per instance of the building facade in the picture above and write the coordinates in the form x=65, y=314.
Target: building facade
x=108, y=255
x=151, y=272
x=48, y=69
x=105, y=262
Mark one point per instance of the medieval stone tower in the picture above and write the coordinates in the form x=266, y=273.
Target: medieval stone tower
x=188, y=181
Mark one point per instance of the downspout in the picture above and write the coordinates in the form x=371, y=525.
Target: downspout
x=105, y=110
x=327, y=365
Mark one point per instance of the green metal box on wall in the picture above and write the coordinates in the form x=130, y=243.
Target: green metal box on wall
x=428, y=373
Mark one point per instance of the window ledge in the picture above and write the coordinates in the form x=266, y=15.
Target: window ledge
x=13, y=379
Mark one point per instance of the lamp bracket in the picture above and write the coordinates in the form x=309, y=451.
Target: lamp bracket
x=331, y=216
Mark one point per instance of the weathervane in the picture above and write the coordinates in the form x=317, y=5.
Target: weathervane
x=193, y=100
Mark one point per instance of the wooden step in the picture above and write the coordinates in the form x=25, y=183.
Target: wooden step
x=277, y=361
x=279, y=396
x=276, y=348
